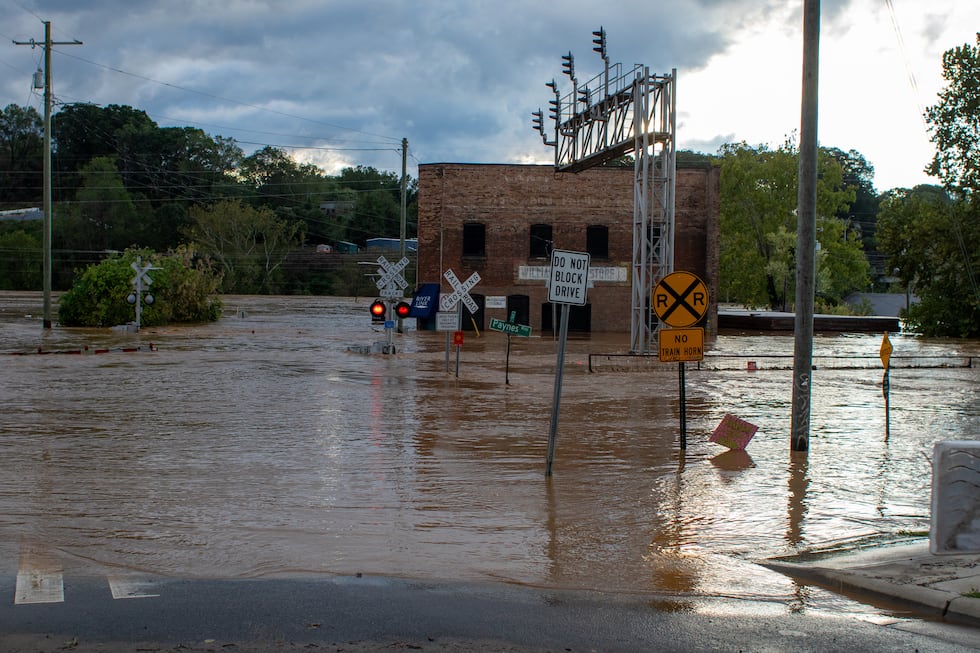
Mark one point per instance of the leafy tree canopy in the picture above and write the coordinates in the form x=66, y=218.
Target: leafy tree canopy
x=955, y=121
x=916, y=228
x=759, y=194
x=183, y=287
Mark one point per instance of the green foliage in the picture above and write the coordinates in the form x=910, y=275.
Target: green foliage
x=20, y=261
x=21, y=156
x=759, y=193
x=955, y=121
x=249, y=245
x=183, y=288
x=921, y=231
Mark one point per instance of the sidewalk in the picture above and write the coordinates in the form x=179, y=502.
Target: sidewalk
x=908, y=573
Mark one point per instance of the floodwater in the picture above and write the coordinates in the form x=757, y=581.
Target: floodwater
x=267, y=444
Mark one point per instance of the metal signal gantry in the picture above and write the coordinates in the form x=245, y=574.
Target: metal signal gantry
x=613, y=114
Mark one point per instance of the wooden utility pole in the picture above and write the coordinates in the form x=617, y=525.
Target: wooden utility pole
x=46, y=323
x=806, y=231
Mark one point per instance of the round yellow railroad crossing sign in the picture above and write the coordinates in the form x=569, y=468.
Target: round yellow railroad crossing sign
x=680, y=299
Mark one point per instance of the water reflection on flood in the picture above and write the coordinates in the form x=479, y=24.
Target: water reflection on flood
x=261, y=445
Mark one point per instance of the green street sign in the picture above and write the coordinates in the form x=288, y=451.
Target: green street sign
x=510, y=329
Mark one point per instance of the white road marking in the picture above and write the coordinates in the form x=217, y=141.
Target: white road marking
x=39, y=577
x=130, y=587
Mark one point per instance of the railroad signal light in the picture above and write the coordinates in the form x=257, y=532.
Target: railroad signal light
x=583, y=95
x=553, y=111
x=378, y=310
x=402, y=309
x=568, y=64
x=537, y=119
x=600, y=42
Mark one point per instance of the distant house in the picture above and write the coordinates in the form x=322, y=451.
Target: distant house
x=392, y=244
x=344, y=247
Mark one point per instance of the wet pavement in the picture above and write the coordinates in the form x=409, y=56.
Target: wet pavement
x=267, y=446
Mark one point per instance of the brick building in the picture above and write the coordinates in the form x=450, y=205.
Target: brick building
x=502, y=220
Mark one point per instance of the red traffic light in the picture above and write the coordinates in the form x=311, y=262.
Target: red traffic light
x=402, y=309
x=378, y=310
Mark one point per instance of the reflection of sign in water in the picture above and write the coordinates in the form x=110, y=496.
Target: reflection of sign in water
x=733, y=432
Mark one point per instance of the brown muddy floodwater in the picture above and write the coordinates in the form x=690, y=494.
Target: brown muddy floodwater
x=262, y=445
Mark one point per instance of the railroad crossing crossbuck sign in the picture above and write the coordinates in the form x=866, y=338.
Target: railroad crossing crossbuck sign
x=390, y=281
x=460, y=293
x=680, y=299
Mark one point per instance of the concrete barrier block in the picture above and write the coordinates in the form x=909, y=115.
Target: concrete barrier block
x=955, y=498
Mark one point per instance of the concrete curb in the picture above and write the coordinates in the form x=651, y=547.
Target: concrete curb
x=898, y=576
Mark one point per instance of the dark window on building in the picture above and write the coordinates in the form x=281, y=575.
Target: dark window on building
x=474, y=239
x=540, y=245
x=597, y=241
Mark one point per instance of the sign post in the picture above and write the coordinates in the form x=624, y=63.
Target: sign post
x=141, y=283
x=568, y=281
x=459, y=297
x=680, y=300
x=886, y=355
x=511, y=329
x=391, y=285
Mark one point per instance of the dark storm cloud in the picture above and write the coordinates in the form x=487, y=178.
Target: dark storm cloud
x=458, y=78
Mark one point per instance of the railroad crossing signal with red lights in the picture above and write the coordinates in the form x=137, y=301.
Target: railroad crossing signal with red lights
x=379, y=310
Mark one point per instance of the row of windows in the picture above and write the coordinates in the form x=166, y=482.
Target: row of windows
x=540, y=242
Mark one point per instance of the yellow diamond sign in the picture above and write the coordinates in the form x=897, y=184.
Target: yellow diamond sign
x=886, y=351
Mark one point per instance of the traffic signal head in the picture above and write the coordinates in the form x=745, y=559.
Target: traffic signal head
x=378, y=310
x=402, y=309
x=568, y=65
x=600, y=42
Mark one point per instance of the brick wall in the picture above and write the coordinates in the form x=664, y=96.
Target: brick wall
x=508, y=199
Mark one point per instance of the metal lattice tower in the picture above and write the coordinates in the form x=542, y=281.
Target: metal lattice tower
x=613, y=114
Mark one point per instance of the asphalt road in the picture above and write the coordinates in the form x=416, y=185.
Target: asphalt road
x=368, y=614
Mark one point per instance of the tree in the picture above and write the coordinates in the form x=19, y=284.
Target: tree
x=955, y=121
x=914, y=229
x=758, y=228
x=248, y=244
x=20, y=260
x=21, y=156
x=183, y=287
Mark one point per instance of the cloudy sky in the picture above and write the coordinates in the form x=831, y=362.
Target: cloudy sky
x=341, y=82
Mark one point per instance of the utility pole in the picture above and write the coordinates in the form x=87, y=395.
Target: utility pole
x=404, y=212
x=46, y=323
x=806, y=231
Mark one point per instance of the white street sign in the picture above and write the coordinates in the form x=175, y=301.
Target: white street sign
x=460, y=293
x=569, y=277
x=141, y=274
x=447, y=321
x=390, y=273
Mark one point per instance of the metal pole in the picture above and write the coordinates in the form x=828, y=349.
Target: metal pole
x=806, y=231
x=683, y=396
x=507, y=363
x=556, y=401
x=46, y=323
x=139, y=291
x=404, y=211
